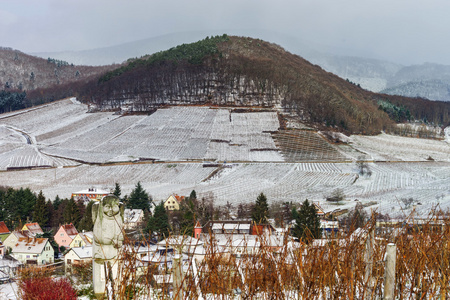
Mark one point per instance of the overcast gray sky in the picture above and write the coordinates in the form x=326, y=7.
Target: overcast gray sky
x=404, y=31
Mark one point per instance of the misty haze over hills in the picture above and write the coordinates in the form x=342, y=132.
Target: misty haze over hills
x=431, y=81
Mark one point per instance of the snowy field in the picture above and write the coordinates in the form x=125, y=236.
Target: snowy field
x=428, y=183
x=8, y=291
x=60, y=141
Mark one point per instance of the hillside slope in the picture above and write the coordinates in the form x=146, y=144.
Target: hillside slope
x=20, y=71
x=237, y=71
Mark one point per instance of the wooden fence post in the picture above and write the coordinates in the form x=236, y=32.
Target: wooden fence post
x=389, y=272
x=177, y=271
x=368, y=259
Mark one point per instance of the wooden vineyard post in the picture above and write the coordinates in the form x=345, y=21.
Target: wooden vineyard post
x=177, y=277
x=389, y=272
x=368, y=259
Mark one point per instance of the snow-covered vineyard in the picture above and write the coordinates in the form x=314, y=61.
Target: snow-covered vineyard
x=222, y=153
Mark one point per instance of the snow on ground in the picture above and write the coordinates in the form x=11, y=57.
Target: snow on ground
x=8, y=291
x=428, y=183
x=447, y=134
x=61, y=134
x=385, y=147
x=64, y=129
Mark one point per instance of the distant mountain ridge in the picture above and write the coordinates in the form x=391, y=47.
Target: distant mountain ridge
x=375, y=75
x=430, y=81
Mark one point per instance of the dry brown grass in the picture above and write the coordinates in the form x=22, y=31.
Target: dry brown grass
x=334, y=269
x=330, y=269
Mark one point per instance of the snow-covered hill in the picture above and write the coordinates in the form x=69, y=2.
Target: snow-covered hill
x=223, y=154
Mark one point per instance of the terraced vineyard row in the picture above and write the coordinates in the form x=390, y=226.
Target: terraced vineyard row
x=299, y=145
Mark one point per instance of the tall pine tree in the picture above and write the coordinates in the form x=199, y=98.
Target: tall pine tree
x=187, y=223
x=307, y=222
x=158, y=224
x=51, y=213
x=71, y=213
x=139, y=198
x=260, y=210
x=86, y=222
x=40, y=214
x=117, y=190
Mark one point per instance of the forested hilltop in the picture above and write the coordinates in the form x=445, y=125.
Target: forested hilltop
x=237, y=71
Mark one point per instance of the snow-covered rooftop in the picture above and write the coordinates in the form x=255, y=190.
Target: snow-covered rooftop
x=30, y=245
x=83, y=252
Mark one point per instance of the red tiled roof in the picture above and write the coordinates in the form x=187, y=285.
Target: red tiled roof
x=70, y=229
x=179, y=198
x=3, y=228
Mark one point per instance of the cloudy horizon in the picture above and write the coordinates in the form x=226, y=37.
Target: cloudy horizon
x=406, y=32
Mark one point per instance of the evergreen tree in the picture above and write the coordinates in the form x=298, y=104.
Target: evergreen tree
x=187, y=223
x=81, y=207
x=86, y=222
x=117, y=191
x=159, y=222
x=307, y=222
x=56, y=202
x=71, y=213
x=18, y=206
x=260, y=211
x=25, y=200
x=193, y=195
x=3, y=207
x=58, y=218
x=51, y=213
x=139, y=198
x=40, y=214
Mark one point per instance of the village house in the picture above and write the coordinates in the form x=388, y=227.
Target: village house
x=89, y=194
x=4, y=231
x=82, y=239
x=180, y=242
x=33, y=228
x=132, y=218
x=33, y=251
x=65, y=235
x=233, y=227
x=329, y=228
x=163, y=260
x=319, y=210
x=12, y=239
x=238, y=237
x=77, y=255
x=227, y=227
x=173, y=202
